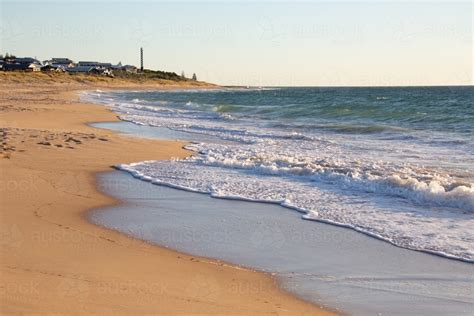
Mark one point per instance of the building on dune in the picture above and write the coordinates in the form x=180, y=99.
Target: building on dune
x=59, y=62
x=20, y=64
x=53, y=68
x=62, y=64
x=26, y=60
x=77, y=69
x=21, y=67
x=92, y=67
x=94, y=64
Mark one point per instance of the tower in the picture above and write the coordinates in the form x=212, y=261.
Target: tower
x=141, y=59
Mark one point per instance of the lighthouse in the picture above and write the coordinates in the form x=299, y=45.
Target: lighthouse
x=141, y=59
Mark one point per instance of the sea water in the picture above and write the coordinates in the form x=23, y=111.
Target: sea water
x=393, y=163
x=325, y=264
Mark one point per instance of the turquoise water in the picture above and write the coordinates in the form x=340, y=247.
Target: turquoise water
x=356, y=110
x=383, y=161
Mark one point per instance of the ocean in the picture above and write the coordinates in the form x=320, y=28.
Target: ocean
x=393, y=163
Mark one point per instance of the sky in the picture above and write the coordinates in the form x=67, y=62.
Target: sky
x=312, y=43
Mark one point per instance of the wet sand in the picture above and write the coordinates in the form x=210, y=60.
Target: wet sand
x=326, y=264
x=53, y=261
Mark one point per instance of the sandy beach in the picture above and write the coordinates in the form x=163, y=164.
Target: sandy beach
x=236, y=158
x=53, y=261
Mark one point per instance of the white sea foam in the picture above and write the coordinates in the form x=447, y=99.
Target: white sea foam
x=387, y=189
x=395, y=221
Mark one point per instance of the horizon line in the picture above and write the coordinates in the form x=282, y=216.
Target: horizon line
x=354, y=86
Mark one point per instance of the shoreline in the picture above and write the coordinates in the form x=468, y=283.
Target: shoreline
x=379, y=187
x=47, y=247
x=392, y=281
x=275, y=282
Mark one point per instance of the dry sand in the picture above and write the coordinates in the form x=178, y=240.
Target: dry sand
x=53, y=261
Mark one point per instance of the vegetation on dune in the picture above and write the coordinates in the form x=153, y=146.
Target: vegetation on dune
x=158, y=74
x=148, y=74
x=120, y=78
x=7, y=56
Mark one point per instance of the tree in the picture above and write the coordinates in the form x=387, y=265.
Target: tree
x=9, y=56
x=183, y=75
x=194, y=77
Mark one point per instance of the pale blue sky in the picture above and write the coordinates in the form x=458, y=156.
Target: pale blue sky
x=250, y=43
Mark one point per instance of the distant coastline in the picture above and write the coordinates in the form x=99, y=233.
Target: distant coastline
x=93, y=69
x=80, y=78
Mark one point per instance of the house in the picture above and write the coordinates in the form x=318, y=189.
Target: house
x=16, y=67
x=63, y=62
x=53, y=68
x=21, y=64
x=92, y=67
x=77, y=68
x=101, y=71
x=127, y=68
x=90, y=70
x=94, y=64
x=26, y=60
x=87, y=66
x=34, y=67
x=118, y=66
